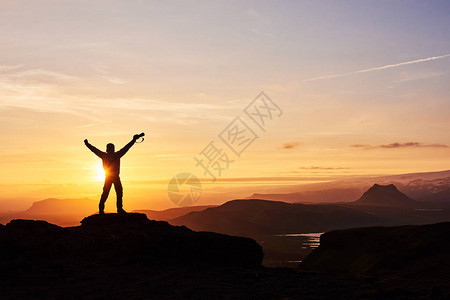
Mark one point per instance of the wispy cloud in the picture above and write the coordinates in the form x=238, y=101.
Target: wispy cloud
x=34, y=89
x=44, y=90
x=408, y=76
x=323, y=168
x=379, y=68
x=261, y=25
x=93, y=124
x=399, y=145
x=42, y=75
x=105, y=74
x=26, y=82
x=4, y=68
x=290, y=145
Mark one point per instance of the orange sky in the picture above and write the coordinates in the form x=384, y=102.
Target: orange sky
x=362, y=91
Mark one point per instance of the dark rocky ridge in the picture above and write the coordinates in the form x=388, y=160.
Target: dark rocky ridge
x=411, y=251
x=131, y=257
x=121, y=238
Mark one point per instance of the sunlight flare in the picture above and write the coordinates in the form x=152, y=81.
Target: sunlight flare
x=100, y=173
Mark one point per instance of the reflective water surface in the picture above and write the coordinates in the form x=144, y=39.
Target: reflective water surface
x=288, y=250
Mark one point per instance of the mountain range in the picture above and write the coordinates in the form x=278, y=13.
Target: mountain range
x=380, y=205
x=426, y=187
x=64, y=212
x=336, y=206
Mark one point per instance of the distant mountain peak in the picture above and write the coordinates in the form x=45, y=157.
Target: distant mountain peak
x=385, y=195
x=377, y=186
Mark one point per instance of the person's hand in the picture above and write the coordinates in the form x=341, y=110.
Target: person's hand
x=86, y=142
x=137, y=136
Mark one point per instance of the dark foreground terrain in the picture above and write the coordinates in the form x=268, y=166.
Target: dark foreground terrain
x=131, y=257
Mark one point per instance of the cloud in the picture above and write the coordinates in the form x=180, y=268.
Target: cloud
x=408, y=76
x=253, y=13
x=252, y=179
x=4, y=68
x=44, y=90
x=105, y=74
x=400, y=145
x=93, y=124
x=42, y=75
x=379, y=68
x=32, y=81
x=323, y=168
x=290, y=145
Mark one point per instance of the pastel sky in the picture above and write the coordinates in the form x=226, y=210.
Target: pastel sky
x=363, y=85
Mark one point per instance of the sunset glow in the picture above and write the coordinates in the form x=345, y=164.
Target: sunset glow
x=362, y=93
x=236, y=149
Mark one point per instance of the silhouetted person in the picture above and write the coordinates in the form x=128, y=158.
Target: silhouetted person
x=111, y=165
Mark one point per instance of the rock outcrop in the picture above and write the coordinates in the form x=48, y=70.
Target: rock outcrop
x=127, y=238
x=405, y=250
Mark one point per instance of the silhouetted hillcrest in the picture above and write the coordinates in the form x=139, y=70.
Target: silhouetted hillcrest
x=128, y=238
x=325, y=195
x=171, y=213
x=422, y=251
x=63, y=212
x=44, y=207
x=255, y=217
x=386, y=195
x=379, y=206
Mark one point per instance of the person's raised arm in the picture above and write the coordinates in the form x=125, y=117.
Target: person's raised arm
x=127, y=147
x=93, y=149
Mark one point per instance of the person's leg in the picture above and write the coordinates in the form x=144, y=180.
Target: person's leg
x=106, y=189
x=119, y=192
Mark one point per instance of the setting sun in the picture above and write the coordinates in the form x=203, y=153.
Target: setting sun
x=100, y=173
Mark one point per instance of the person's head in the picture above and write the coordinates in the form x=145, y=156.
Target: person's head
x=110, y=148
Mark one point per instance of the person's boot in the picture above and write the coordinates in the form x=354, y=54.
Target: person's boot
x=119, y=204
x=101, y=209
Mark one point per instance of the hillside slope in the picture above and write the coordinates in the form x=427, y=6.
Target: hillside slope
x=412, y=250
x=259, y=217
x=171, y=213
